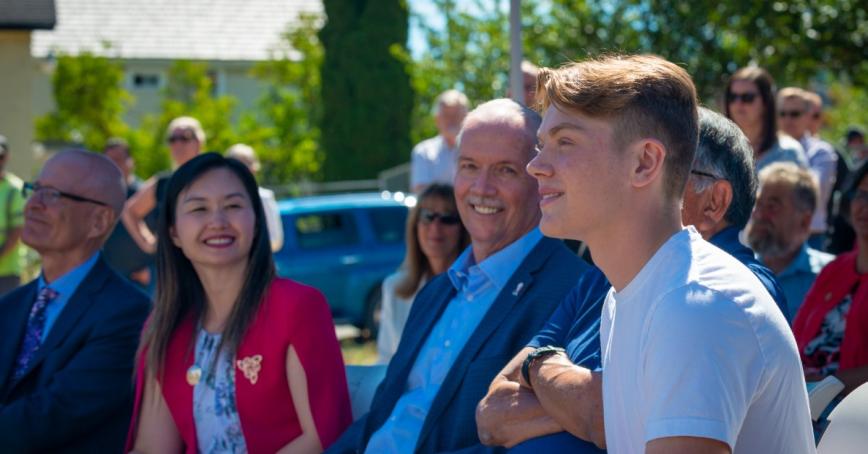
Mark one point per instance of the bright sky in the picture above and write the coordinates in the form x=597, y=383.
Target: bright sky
x=426, y=10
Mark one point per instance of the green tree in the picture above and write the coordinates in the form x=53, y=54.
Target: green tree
x=798, y=41
x=847, y=109
x=284, y=128
x=89, y=102
x=366, y=94
x=188, y=92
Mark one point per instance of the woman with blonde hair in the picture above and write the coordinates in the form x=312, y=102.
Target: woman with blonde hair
x=186, y=140
x=435, y=237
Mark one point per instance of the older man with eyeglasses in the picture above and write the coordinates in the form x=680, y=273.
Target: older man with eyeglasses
x=68, y=338
x=721, y=192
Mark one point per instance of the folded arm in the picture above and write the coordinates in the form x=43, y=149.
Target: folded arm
x=133, y=216
x=571, y=395
x=510, y=414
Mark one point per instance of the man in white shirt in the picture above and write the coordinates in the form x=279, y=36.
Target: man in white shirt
x=247, y=156
x=696, y=357
x=795, y=117
x=433, y=160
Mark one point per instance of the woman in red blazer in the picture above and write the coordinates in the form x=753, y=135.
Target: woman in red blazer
x=232, y=359
x=831, y=327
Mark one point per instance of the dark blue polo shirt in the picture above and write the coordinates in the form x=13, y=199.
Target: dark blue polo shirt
x=727, y=239
x=575, y=326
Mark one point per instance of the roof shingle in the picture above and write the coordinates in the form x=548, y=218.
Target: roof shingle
x=171, y=29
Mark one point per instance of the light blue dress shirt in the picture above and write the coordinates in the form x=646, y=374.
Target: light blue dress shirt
x=65, y=286
x=797, y=278
x=478, y=286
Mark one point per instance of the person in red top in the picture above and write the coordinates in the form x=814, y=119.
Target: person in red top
x=232, y=359
x=831, y=327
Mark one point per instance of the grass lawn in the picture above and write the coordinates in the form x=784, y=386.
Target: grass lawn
x=359, y=352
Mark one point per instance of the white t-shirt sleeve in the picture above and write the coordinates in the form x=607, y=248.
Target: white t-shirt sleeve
x=272, y=218
x=702, y=366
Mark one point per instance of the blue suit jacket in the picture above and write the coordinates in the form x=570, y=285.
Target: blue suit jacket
x=76, y=395
x=548, y=272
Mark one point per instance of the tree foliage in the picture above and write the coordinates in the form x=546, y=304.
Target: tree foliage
x=366, y=95
x=189, y=91
x=798, y=41
x=89, y=102
x=284, y=129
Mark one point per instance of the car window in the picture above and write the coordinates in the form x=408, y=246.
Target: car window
x=323, y=230
x=389, y=223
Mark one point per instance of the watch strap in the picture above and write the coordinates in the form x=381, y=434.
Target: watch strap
x=540, y=352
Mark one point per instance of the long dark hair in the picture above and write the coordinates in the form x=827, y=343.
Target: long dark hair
x=765, y=84
x=179, y=291
x=850, y=188
x=416, y=265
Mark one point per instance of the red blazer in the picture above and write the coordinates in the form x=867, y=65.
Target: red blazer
x=832, y=285
x=292, y=314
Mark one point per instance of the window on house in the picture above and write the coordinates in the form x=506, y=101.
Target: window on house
x=146, y=81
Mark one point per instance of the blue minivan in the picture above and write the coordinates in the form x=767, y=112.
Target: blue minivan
x=344, y=245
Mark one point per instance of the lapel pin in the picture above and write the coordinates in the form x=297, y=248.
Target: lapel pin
x=518, y=289
x=251, y=366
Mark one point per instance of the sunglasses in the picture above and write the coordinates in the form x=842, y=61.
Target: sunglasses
x=745, y=98
x=790, y=113
x=428, y=217
x=179, y=138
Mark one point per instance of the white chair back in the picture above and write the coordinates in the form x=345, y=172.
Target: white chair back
x=848, y=425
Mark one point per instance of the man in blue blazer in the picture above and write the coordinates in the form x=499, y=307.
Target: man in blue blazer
x=467, y=323
x=68, y=339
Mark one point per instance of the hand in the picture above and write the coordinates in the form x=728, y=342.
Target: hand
x=813, y=376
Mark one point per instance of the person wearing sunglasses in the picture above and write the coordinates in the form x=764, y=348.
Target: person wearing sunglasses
x=186, y=139
x=749, y=101
x=69, y=336
x=795, y=113
x=467, y=322
x=434, y=238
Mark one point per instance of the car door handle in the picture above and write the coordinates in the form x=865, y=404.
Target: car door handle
x=350, y=259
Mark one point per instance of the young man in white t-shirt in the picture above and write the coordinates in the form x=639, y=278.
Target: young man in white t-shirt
x=696, y=357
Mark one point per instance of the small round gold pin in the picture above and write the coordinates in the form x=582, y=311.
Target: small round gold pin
x=194, y=373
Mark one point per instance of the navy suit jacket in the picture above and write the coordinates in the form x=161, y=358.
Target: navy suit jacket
x=548, y=272
x=76, y=395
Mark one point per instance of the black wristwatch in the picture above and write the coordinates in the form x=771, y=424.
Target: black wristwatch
x=539, y=353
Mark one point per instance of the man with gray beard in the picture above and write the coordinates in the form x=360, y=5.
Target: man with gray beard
x=780, y=226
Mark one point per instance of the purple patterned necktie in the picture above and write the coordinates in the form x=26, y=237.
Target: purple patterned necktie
x=33, y=334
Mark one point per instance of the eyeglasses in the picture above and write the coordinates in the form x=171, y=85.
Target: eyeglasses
x=858, y=195
x=49, y=196
x=180, y=138
x=790, y=113
x=428, y=217
x=706, y=174
x=745, y=98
